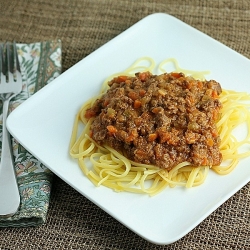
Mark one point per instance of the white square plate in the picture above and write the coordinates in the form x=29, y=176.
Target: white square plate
x=43, y=124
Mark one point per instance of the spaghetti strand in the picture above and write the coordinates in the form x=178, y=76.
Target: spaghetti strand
x=105, y=166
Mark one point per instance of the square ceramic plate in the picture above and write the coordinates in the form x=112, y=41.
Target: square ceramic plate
x=49, y=115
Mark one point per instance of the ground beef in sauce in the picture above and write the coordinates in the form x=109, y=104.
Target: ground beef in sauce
x=160, y=120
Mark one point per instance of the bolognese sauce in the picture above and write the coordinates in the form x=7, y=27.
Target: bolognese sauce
x=160, y=120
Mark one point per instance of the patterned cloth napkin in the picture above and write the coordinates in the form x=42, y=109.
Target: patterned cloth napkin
x=40, y=64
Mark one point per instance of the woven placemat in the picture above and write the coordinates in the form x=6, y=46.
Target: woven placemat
x=73, y=222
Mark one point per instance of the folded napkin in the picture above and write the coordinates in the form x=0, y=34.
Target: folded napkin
x=40, y=64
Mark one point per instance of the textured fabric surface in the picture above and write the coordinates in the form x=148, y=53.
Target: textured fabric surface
x=74, y=222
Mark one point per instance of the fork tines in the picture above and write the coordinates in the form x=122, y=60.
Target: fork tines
x=9, y=63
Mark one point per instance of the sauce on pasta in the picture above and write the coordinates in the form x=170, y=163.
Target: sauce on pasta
x=104, y=164
x=162, y=120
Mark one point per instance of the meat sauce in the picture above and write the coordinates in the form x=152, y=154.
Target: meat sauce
x=160, y=120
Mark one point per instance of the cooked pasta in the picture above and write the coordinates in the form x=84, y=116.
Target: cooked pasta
x=105, y=166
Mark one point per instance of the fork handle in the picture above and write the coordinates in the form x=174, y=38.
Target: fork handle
x=9, y=193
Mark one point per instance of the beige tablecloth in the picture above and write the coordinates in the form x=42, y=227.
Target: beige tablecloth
x=73, y=222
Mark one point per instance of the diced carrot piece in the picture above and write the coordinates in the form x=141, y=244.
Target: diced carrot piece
x=111, y=129
x=133, y=95
x=156, y=110
x=137, y=104
x=176, y=75
x=152, y=137
x=131, y=136
x=214, y=133
x=143, y=76
x=204, y=161
x=214, y=94
x=200, y=85
x=138, y=121
x=215, y=114
x=165, y=137
x=142, y=92
x=210, y=142
x=121, y=79
x=140, y=153
x=89, y=113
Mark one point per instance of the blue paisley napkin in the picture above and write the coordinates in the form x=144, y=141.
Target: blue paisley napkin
x=40, y=64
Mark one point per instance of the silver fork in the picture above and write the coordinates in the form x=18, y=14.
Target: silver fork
x=10, y=86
